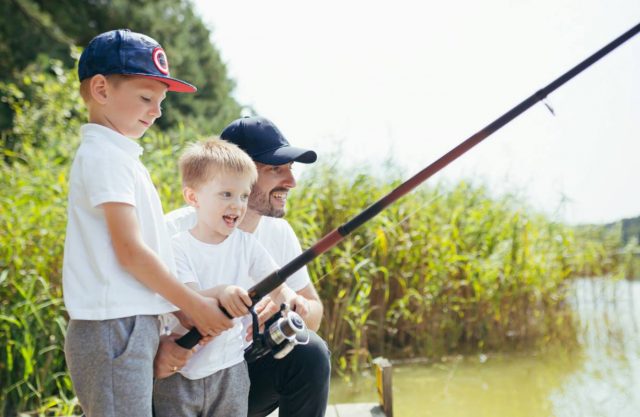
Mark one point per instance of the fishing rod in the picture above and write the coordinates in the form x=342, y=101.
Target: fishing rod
x=278, y=277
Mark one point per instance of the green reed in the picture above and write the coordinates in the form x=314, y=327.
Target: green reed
x=445, y=269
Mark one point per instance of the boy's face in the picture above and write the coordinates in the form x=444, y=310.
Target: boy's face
x=132, y=105
x=221, y=204
x=269, y=193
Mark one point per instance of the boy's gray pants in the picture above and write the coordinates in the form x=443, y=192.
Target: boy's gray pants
x=111, y=364
x=224, y=393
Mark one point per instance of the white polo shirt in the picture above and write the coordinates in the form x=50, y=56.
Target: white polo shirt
x=107, y=168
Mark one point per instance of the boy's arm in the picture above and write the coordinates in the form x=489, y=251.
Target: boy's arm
x=235, y=300
x=145, y=265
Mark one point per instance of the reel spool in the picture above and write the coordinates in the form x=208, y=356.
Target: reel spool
x=282, y=333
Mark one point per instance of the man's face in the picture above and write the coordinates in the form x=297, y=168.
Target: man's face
x=269, y=194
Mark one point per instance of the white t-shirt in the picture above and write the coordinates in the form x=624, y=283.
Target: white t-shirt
x=238, y=260
x=107, y=168
x=276, y=235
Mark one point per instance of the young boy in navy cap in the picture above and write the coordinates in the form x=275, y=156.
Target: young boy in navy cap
x=118, y=263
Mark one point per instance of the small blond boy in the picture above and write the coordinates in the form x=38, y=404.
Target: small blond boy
x=223, y=261
x=118, y=268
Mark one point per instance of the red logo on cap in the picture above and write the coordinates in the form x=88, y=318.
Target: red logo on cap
x=160, y=59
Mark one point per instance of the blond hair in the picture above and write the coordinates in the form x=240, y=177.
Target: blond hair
x=202, y=161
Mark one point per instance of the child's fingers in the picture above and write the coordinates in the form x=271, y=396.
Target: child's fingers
x=239, y=308
x=246, y=300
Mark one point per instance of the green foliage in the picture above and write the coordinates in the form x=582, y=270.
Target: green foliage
x=31, y=28
x=447, y=269
x=47, y=113
x=631, y=229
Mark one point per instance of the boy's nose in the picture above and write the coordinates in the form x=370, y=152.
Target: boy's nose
x=156, y=111
x=236, y=202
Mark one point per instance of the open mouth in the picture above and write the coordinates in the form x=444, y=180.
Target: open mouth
x=279, y=196
x=230, y=220
x=146, y=124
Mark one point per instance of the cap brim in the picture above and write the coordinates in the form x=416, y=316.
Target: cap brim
x=174, y=84
x=286, y=154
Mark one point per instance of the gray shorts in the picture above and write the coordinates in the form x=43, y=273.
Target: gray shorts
x=225, y=393
x=111, y=364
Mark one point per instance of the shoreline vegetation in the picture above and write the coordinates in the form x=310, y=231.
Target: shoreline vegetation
x=448, y=269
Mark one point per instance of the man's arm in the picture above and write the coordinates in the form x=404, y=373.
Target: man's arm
x=314, y=317
x=145, y=265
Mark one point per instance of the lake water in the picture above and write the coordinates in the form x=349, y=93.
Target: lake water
x=601, y=378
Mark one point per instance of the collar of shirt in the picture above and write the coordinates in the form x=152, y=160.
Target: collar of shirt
x=92, y=130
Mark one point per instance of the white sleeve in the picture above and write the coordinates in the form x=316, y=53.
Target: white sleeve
x=291, y=248
x=109, y=180
x=288, y=246
x=180, y=220
x=185, y=270
x=262, y=264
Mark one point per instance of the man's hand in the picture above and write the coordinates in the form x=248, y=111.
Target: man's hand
x=170, y=357
x=235, y=300
x=265, y=308
x=300, y=305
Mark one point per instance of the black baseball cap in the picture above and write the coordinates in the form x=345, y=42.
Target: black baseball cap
x=128, y=53
x=264, y=142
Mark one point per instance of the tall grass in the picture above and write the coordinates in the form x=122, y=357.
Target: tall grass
x=446, y=269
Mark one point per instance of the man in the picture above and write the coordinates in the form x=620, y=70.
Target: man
x=298, y=383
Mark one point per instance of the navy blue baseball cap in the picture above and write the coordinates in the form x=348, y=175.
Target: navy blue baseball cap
x=264, y=143
x=128, y=53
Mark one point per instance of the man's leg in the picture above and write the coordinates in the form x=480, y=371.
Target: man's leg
x=297, y=383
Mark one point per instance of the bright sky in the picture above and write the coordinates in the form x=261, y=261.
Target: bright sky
x=412, y=79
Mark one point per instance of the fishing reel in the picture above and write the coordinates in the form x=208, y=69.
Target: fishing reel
x=282, y=332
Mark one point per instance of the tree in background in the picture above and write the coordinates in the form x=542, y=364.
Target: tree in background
x=36, y=30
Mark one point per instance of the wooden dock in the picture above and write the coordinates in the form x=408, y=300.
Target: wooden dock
x=354, y=410
x=349, y=410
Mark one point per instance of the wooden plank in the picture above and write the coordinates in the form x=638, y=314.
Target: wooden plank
x=384, y=372
x=349, y=410
x=358, y=410
x=331, y=411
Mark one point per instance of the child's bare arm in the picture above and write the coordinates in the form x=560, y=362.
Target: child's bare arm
x=141, y=262
x=233, y=298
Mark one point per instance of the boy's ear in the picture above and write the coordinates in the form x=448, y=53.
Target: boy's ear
x=98, y=87
x=190, y=196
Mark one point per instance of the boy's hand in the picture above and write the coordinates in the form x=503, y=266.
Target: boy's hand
x=185, y=321
x=208, y=318
x=235, y=300
x=265, y=308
